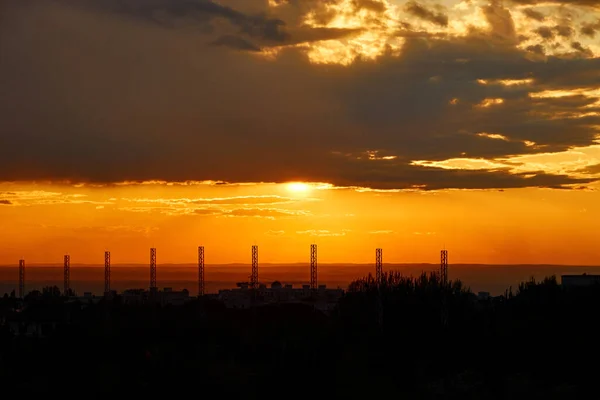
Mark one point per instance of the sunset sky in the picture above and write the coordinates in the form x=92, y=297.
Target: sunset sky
x=353, y=124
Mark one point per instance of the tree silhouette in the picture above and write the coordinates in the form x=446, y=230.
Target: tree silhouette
x=384, y=338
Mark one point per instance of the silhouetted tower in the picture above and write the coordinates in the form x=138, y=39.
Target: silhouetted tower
x=152, y=268
x=21, y=279
x=379, y=265
x=67, y=275
x=379, y=277
x=200, y=271
x=254, y=276
x=444, y=268
x=106, y=272
x=313, y=266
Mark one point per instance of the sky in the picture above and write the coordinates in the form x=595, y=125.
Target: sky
x=353, y=124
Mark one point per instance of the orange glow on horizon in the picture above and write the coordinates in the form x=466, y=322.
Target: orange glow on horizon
x=298, y=187
x=533, y=226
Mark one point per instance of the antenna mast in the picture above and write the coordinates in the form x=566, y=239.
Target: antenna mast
x=200, y=271
x=21, y=279
x=67, y=275
x=254, y=276
x=106, y=273
x=313, y=267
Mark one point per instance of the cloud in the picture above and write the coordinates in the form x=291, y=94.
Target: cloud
x=592, y=169
x=275, y=233
x=564, y=31
x=500, y=21
x=235, y=43
x=222, y=201
x=545, y=32
x=533, y=14
x=270, y=213
x=112, y=229
x=177, y=209
x=42, y=197
x=342, y=91
x=418, y=10
x=322, y=233
x=579, y=47
x=198, y=13
x=590, y=28
x=5, y=202
x=589, y=3
x=382, y=232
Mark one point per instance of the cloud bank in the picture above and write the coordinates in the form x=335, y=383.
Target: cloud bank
x=367, y=93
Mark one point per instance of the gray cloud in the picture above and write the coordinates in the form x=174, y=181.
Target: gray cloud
x=564, y=31
x=5, y=202
x=579, y=47
x=235, y=42
x=501, y=22
x=174, y=13
x=112, y=95
x=419, y=10
x=590, y=29
x=588, y=3
x=593, y=169
x=533, y=14
x=545, y=32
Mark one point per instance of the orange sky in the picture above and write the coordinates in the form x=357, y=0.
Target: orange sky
x=467, y=124
x=43, y=222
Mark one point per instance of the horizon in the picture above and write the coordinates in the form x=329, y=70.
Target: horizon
x=195, y=265
x=488, y=278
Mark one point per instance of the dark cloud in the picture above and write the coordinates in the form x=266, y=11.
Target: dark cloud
x=579, y=47
x=109, y=95
x=419, y=10
x=537, y=49
x=204, y=16
x=590, y=29
x=172, y=13
x=592, y=169
x=5, y=202
x=207, y=212
x=533, y=14
x=589, y=3
x=500, y=20
x=545, y=32
x=235, y=42
x=564, y=31
x=480, y=179
x=373, y=5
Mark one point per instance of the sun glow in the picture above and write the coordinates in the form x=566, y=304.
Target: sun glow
x=298, y=187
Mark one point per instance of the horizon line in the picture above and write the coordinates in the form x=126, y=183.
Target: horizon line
x=58, y=264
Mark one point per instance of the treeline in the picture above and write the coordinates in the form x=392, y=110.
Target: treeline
x=404, y=336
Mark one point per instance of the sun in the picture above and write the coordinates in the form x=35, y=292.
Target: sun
x=298, y=187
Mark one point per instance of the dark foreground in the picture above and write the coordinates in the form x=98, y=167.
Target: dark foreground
x=411, y=339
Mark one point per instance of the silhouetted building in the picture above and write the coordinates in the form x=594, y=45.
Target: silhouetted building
x=244, y=297
x=571, y=281
x=164, y=297
x=87, y=298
